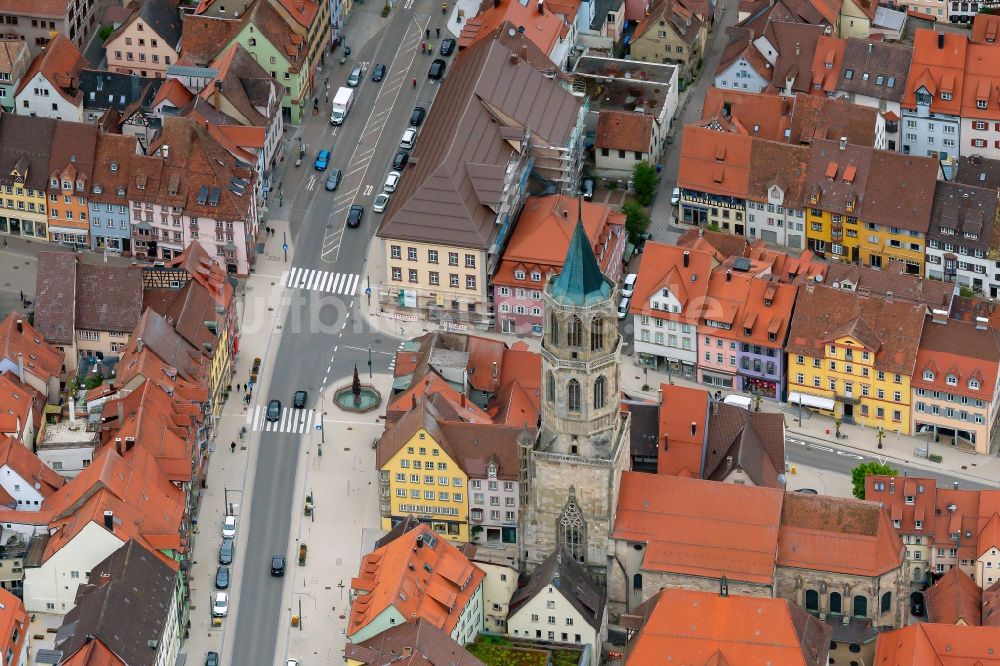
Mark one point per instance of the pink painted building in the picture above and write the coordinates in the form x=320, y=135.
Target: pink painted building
x=536, y=250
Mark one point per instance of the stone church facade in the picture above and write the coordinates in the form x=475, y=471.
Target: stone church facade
x=573, y=469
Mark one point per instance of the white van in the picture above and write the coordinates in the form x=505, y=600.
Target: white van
x=738, y=400
x=628, y=285
x=623, y=308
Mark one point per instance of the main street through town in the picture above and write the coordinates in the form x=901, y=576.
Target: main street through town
x=322, y=337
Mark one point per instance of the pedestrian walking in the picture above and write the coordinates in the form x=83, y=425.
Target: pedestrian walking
x=5, y=241
x=232, y=447
x=438, y=31
x=22, y=297
x=427, y=33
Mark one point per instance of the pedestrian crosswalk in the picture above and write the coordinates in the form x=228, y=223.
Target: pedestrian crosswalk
x=295, y=421
x=392, y=363
x=347, y=284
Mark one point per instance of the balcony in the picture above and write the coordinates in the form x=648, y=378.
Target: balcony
x=891, y=126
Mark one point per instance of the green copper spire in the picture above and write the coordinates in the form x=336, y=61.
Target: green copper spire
x=581, y=282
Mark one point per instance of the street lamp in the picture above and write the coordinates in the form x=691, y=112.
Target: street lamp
x=369, y=362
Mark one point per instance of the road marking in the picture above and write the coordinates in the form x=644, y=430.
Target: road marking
x=312, y=182
x=368, y=190
x=293, y=421
x=374, y=351
x=346, y=284
x=408, y=4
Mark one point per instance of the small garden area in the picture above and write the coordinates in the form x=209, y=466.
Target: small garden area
x=501, y=651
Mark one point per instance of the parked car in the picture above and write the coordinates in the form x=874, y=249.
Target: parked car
x=400, y=160
x=447, y=46
x=222, y=578
x=278, y=565
x=333, y=180
x=226, y=551
x=628, y=285
x=378, y=73
x=212, y=659
x=273, y=410
x=355, y=78
x=623, y=308
x=807, y=491
x=229, y=527
x=917, y=607
x=436, y=72
x=322, y=160
x=675, y=196
x=354, y=216
x=587, y=189
x=391, y=182
x=418, y=115
x=381, y=202
x=292, y=662
x=299, y=399
x=409, y=137
x=220, y=604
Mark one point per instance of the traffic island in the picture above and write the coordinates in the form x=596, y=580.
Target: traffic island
x=357, y=397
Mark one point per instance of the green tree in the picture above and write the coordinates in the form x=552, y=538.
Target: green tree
x=105, y=32
x=636, y=220
x=859, y=473
x=644, y=182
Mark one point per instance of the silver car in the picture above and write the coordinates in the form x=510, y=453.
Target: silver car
x=381, y=202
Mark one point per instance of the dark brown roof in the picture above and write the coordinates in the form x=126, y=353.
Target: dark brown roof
x=782, y=164
x=26, y=141
x=126, y=604
x=836, y=192
x=898, y=189
x=243, y=81
x=818, y=117
x=73, y=144
x=890, y=329
x=893, y=279
x=417, y=643
x=964, y=209
x=624, y=130
x=867, y=61
x=685, y=24
x=978, y=171
x=753, y=441
x=796, y=45
x=55, y=296
x=570, y=579
x=457, y=169
x=117, y=150
x=204, y=37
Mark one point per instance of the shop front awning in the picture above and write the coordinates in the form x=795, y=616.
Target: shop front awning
x=813, y=401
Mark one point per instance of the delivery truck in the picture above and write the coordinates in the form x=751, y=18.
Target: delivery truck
x=341, y=105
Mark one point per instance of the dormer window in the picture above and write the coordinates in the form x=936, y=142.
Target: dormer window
x=952, y=380
x=909, y=499
x=923, y=97
x=55, y=182
x=928, y=375
x=772, y=337
x=946, y=96
x=895, y=523
x=980, y=103
x=974, y=384
x=747, y=331
x=518, y=275
x=536, y=276
x=919, y=524
x=114, y=166
x=79, y=186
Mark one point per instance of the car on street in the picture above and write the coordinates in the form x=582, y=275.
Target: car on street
x=354, y=215
x=400, y=159
x=273, y=410
x=409, y=137
x=229, y=527
x=222, y=578
x=299, y=399
x=355, y=77
x=292, y=662
x=436, y=72
x=322, y=160
x=587, y=189
x=220, y=604
x=447, y=46
x=378, y=73
x=333, y=180
x=675, y=196
x=623, y=308
x=917, y=607
x=418, y=115
x=226, y=551
x=628, y=285
x=391, y=182
x=381, y=202
x=807, y=491
x=212, y=659
x=278, y=565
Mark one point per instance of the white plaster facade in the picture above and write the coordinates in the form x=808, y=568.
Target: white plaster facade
x=740, y=75
x=676, y=341
x=775, y=223
x=40, y=98
x=22, y=490
x=980, y=137
x=988, y=566
x=499, y=586
x=549, y=616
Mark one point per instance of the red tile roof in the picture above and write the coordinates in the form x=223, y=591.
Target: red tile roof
x=700, y=528
x=742, y=112
x=954, y=598
x=985, y=29
x=827, y=59
x=926, y=644
x=543, y=29
x=624, y=130
x=60, y=63
x=433, y=582
x=40, y=358
x=937, y=70
x=662, y=267
x=13, y=627
x=959, y=349
x=683, y=421
x=716, y=162
x=29, y=467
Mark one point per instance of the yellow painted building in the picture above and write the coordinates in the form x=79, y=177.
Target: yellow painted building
x=852, y=356
x=418, y=476
x=868, y=206
x=22, y=209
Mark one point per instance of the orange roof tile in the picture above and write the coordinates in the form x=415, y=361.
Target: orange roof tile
x=420, y=575
x=13, y=623
x=663, y=267
x=755, y=114
x=29, y=467
x=700, y=528
x=40, y=358
x=302, y=11
x=16, y=403
x=827, y=59
x=543, y=29
x=927, y=644
x=716, y=162
x=60, y=63
x=433, y=383
x=954, y=598
x=706, y=628
x=682, y=429
x=624, y=130
x=936, y=68
x=173, y=91
x=981, y=87
x=985, y=29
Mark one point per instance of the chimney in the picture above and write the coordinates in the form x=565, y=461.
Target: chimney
x=138, y=344
x=166, y=150
x=694, y=428
x=687, y=258
x=496, y=371
x=513, y=58
x=940, y=40
x=798, y=49
x=121, y=413
x=420, y=541
x=72, y=410
x=462, y=400
x=413, y=400
x=20, y=326
x=729, y=276
x=524, y=53
x=723, y=587
x=939, y=316
x=541, y=6
x=982, y=323
x=888, y=297
x=729, y=463
x=843, y=143
x=109, y=520
x=954, y=485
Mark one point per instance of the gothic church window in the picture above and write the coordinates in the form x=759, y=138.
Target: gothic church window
x=599, y=393
x=573, y=395
x=572, y=529
x=596, y=334
x=574, y=332
x=550, y=387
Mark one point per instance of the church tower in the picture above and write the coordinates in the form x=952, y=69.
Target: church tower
x=574, y=466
